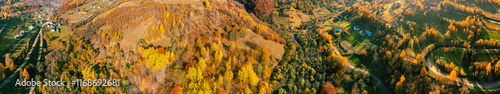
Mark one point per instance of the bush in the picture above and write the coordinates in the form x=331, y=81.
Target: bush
x=233, y=35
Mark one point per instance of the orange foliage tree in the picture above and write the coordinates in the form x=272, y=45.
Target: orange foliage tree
x=261, y=8
x=26, y=74
x=453, y=75
x=497, y=66
x=399, y=85
x=452, y=28
x=71, y=4
x=328, y=89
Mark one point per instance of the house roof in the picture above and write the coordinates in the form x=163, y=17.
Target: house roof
x=356, y=27
x=337, y=28
x=368, y=33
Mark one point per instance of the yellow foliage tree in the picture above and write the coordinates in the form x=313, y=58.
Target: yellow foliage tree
x=265, y=88
x=202, y=64
x=9, y=63
x=265, y=55
x=5, y=15
x=218, y=53
x=157, y=60
x=207, y=4
x=203, y=51
x=247, y=75
x=143, y=84
x=205, y=88
x=228, y=74
x=88, y=73
x=195, y=77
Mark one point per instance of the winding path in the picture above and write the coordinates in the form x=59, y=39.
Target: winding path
x=5, y=24
x=364, y=72
x=12, y=76
x=480, y=84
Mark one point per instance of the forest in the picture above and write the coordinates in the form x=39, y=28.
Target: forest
x=254, y=46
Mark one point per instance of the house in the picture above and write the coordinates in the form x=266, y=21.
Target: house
x=396, y=24
x=49, y=22
x=16, y=36
x=398, y=5
x=368, y=33
x=339, y=17
x=21, y=32
x=362, y=32
x=53, y=29
x=338, y=29
x=365, y=32
x=31, y=27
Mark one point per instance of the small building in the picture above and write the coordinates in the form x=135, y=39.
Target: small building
x=398, y=5
x=49, y=23
x=338, y=29
x=52, y=29
x=396, y=24
x=356, y=27
x=368, y=33
x=31, y=27
x=365, y=32
x=21, y=32
x=16, y=36
x=339, y=17
x=362, y=32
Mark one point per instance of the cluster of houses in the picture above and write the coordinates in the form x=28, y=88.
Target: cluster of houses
x=99, y=7
x=362, y=32
x=50, y=24
x=53, y=26
x=21, y=34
